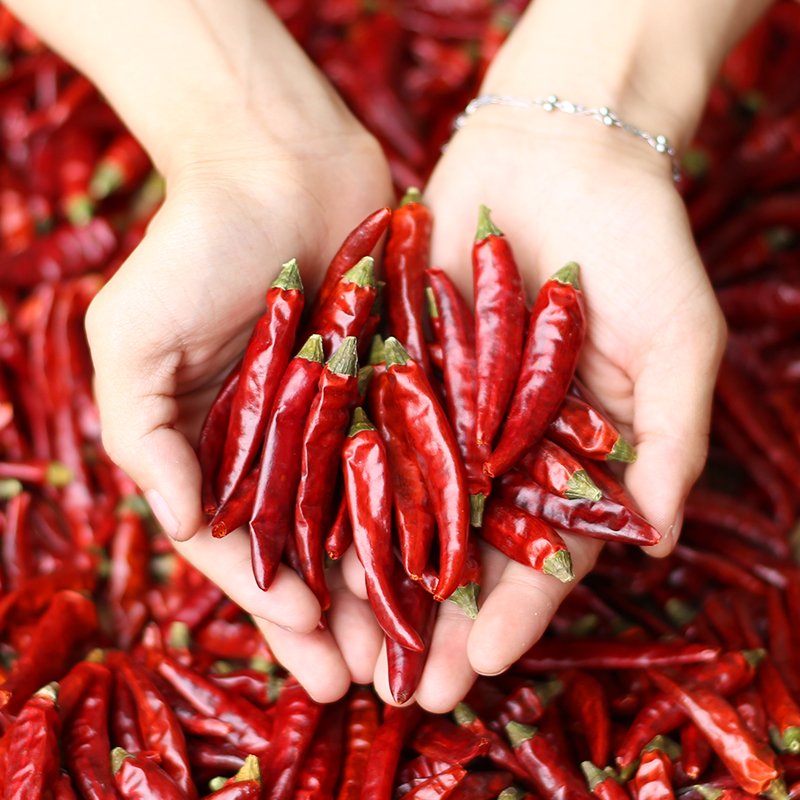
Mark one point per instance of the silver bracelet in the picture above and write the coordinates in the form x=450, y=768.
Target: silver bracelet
x=552, y=103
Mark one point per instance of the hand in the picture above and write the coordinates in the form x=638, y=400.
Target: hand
x=565, y=189
x=169, y=326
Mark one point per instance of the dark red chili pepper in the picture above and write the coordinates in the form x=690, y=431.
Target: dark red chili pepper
x=469, y=588
x=86, y=739
x=384, y=754
x=555, y=470
x=259, y=688
x=124, y=721
x=32, y=768
x=296, y=719
x=241, y=790
x=340, y=536
x=16, y=545
x=359, y=243
x=123, y=164
x=653, y=779
x=526, y=539
x=413, y=514
x=719, y=613
x=367, y=486
x=437, y=737
x=436, y=356
x=720, y=569
x=456, y=333
x=64, y=789
x=56, y=643
x=499, y=326
x=265, y=360
x=555, y=334
x=755, y=769
x=695, y=751
x=405, y=261
x=75, y=93
x=781, y=707
x=373, y=322
x=601, y=519
x=406, y=665
x=750, y=706
x=362, y=722
x=139, y=778
x=586, y=431
x=526, y=704
x=324, y=760
x=782, y=647
x=603, y=784
x=439, y=459
x=323, y=438
x=78, y=154
x=547, y=773
x=238, y=508
x=272, y=518
x=439, y=786
x=585, y=700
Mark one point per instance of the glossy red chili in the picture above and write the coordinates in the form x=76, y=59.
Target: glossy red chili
x=653, y=779
x=320, y=771
x=361, y=725
x=555, y=470
x=139, y=778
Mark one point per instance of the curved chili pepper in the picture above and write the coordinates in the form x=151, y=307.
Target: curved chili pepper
x=555, y=470
x=324, y=760
x=469, y=587
x=499, y=325
x=272, y=517
x=139, y=778
x=122, y=165
x=238, y=508
x=369, y=501
x=456, y=333
x=439, y=458
x=32, y=768
x=362, y=722
x=556, y=330
x=78, y=154
x=412, y=508
x=526, y=539
x=653, y=779
x=373, y=322
x=601, y=519
x=323, y=438
x=585, y=700
x=755, y=769
x=264, y=362
x=406, y=665
x=719, y=613
x=405, y=260
x=340, y=536
x=296, y=719
x=359, y=243
x=603, y=784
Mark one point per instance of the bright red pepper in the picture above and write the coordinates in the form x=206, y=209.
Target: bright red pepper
x=653, y=779
x=139, y=778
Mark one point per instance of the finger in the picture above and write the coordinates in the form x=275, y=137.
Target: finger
x=672, y=411
x=519, y=608
x=353, y=573
x=353, y=625
x=226, y=562
x=313, y=658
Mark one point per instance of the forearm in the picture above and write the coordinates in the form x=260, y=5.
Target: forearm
x=186, y=75
x=652, y=63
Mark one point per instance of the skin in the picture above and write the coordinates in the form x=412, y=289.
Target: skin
x=254, y=144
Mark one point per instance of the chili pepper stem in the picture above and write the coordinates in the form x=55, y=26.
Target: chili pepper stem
x=790, y=740
x=466, y=598
x=118, y=755
x=517, y=733
x=376, y=351
x=412, y=195
x=485, y=225
x=568, y=274
x=105, y=180
x=706, y=792
x=362, y=274
x=777, y=790
x=622, y=451
x=754, y=657
x=477, y=503
x=559, y=565
x=250, y=770
x=289, y=277
x=581, y=485
x=360, y=423
x=594, y=775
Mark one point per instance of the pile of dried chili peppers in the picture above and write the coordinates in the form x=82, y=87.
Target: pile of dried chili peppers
x=125, y=673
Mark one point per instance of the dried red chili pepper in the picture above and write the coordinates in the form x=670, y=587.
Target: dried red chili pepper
x=238, y=508
x=720, y=569
x=585, y=700
x=439, y=786
x=296, y=719
x=499, y=325
x=241, y=790
x=64, y=789
x=555, y=470
x=124, y=721
x=603, y=784
x=455, y=330
x=754, y=769
x=695, y=751
x=437, y=737
x=122, y=165
x=320, y=772
x=323, y=438
x=272, y=517
x=32, y=767
x=723, y=621
x=601, y=519
x=782, y=647
x=526, y=539
x=438, y=457
x=139, y=778
x=526, y=704
x=653, y=779
x=362, y=722
x=750, y=707
x=469, y=588
x=405, y=665
x=340, y=536
x=781, y=707
x=264, y=362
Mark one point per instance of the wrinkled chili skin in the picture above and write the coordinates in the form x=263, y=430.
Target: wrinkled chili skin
x=600, y=519
x=438, y=786
x=585, y=699
x=361, y=725
x=324, y=760
x=404, y=263
x=440, y=461
x=582, y=429
x=695, y=751
x=499, y=327
x=265, y=359
x=437, y=737
x=139, y=778
x=369, y=500
x=653, y=779
x=457, y=337
x=272, y=519
x=753, y=766
x=86, y=739
x=406, y=665
x=556, y=330
x=609, y=789
x=323, y=437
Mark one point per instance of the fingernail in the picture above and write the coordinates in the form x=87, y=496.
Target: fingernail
x=163, y=513
x=675, y=529
x=493, y=674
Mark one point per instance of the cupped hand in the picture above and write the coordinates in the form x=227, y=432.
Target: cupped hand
x=565, y=189
x=168, y=327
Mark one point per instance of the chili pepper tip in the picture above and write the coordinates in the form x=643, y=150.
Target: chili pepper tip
x=360, y=422
x=466, y=598
x=376, y=350
x=581, y=486
x=363, y=273
x=219, y=531
x=345, y=360
x=312, y=349
x=289, y=277
x=412, y=195
x=364, y=377
x=569, y=274
x=395, y=354
x=622, y=451
x=485, y=225
x=118, y=755
x=594, y=775
x=559, y=565
x=477, y=503
x=518, y=733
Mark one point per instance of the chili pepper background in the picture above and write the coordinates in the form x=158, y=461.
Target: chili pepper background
x=83, y=566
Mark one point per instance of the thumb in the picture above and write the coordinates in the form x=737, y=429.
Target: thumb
x=671, y=417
